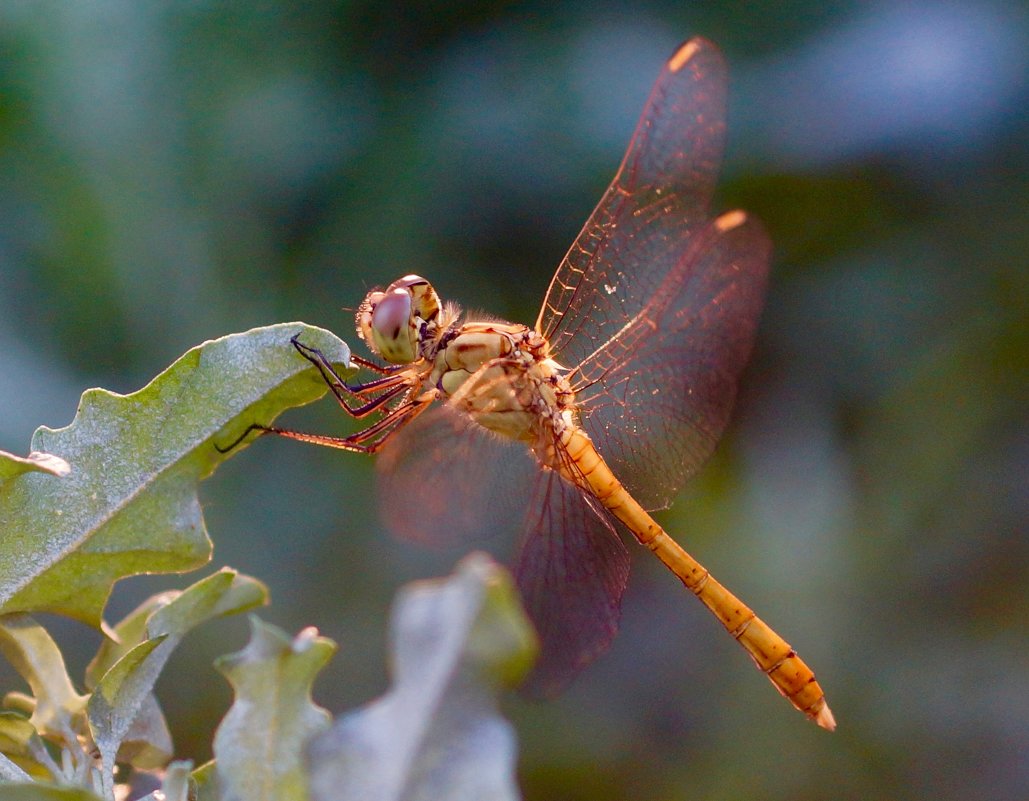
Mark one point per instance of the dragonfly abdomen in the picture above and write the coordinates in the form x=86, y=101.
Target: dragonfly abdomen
x=770, y=652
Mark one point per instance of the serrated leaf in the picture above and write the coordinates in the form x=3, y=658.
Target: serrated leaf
x=147, y=744
x=11, y=465
x=125, y=689
x=42, y=792
x=258, y=746
x=436, y=734
x=36, y=657
x=130, y=504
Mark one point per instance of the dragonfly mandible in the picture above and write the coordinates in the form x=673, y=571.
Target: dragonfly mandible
x=619, y=392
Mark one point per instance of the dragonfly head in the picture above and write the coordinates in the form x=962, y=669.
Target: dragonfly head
x=390, y=321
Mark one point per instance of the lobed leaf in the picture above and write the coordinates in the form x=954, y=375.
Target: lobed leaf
x=258, y=746
x=436, y=734
x=36, y=657
x=122, y=705
x=130, y=505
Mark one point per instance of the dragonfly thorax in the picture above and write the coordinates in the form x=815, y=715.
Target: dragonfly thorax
x=502, y=376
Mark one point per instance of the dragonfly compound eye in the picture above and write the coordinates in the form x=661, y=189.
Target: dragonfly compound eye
x=426, y=302
x=393, y=334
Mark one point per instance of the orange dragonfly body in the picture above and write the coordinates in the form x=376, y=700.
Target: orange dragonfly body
x=619, y=392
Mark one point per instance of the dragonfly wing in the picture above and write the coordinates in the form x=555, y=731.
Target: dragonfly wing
x=658, y=198
x=656, y=396
x=656, y=304
x=444, y=480
x=572, y=569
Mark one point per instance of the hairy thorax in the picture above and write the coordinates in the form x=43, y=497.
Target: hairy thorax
x=502, y=375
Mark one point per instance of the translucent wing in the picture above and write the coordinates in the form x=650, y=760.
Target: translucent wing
x=657, y=200
x=655, y=305
x=443, y=480
x=571, y=570
x=658, y=394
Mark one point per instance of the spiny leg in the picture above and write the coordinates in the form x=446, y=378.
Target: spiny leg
x=373, y=405
x=379, y=433
x=316, y=357
x=394, y=382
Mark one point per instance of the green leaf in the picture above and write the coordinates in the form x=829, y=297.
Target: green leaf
x=130, y=505
x=125, y=635
x=11, y=771
x=43, y=792
x=147, y=744
x=124, y=691
x=223, y=593
x=11, y=465
x=175, y=784
x=118, y=698
x=258, y=746
x=206, y=784
x=36, y=657
x=15, y=733
x=436, y=734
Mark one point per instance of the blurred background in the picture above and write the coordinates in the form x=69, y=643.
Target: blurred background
x=176, y=171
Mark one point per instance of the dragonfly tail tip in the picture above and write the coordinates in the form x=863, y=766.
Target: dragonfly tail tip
x=824, y=718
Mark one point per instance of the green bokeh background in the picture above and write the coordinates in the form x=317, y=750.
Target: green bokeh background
x=176, y=171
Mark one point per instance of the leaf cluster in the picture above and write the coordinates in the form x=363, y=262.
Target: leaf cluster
x=113, y=495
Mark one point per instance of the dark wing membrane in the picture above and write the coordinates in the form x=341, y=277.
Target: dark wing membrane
x=656, y=396
x=657, y=200
x=444, y=480
x=571, y=570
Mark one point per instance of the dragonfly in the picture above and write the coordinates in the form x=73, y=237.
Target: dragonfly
x=616, y=396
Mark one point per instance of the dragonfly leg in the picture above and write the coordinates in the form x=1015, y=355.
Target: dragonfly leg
x=379, y=432
x=367, y=440
x=393, y=382
x=375, y=404
x=246, y=433
x=312, y=354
